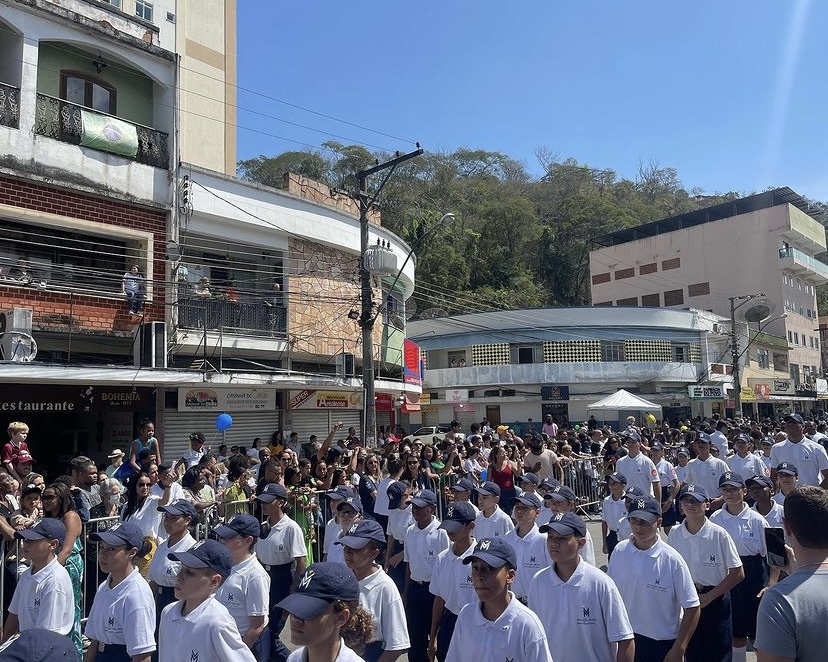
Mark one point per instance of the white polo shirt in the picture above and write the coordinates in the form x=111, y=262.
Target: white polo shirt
x=44, y=599
x=681, y=473
x=655, y=585
x=706, y=473
x=422, y=547
x=345, y=654
x=613, y=511
x=807, y=456
x=495, y=526
x=332, y=531
x=381, y=502
x=283, y=544
x=776, y=515
x=379, y=595
x=164, y=571
x=709, y=553
x=335, y=553
x=624, y=529
x=640, y=472
x=208, y=632
x=666, y=474
x=147, y=517
x=124, y=615
x=747, y=530
x=531, y=558
x=398, y=523
x=747, y=467
x=451, y=579
x=517, y=634
x=246, y=592
x=720, y=441
x=584, y=617
x=587, y=552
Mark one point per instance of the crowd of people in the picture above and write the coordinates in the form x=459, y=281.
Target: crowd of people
x=467, y=548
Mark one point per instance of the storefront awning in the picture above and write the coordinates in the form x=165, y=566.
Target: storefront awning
x=411, y=403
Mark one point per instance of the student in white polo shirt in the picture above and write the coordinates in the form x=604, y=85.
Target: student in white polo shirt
x=656, y=587
x=198, y=627
x=246, y=591
x=163, y=571
x=760, y=489
x=363, y=543
x=399, y=519
x=614, y=508
x=579, y=606
x=492, y=521
x=743, y=462
x=715, y=567
x=462, y=491
x=623, y=526
x=787, y=477
x=496, y=626
x=450, y=579
x=121, y=623
x=528, y=543
x=637, y=467
x=668, y=486
x=424, y=540
x=43, y=597
x=332, y=527
x=809, y=456
x=348, y=513
x=563, y=501
x=705, y=470
x=281, y=548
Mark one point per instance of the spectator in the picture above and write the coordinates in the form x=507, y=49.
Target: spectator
x=145, y=441
x=30, y=511
x=116, y=458
x=131, y=286
x=142, y=509
x=18, y=433
x=193, y=454
x=85, y=488
x=202, y=288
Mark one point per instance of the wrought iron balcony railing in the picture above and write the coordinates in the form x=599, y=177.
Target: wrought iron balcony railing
x=242, y=317
x=9, y=106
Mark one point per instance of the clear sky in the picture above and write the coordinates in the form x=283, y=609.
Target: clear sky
x=732, y=94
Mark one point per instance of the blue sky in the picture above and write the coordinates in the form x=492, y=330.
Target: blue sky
x=732, y=94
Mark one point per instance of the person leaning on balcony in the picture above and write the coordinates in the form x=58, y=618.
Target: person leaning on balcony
x=202, y=288
x=131, y=285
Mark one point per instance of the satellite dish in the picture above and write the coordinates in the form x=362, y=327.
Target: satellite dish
x=761, y=310
x=431, y=313
x=410, y=308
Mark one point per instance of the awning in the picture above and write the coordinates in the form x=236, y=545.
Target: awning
x=411, y=403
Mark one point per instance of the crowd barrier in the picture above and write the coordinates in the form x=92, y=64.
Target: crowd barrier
x=585, y=476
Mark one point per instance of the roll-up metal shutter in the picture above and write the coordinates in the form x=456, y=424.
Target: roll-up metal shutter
x=320, y=422
x=383, y=419
x=179, y=425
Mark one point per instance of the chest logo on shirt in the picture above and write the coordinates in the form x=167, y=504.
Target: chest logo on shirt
x=532, y=559
x=111, y=621
x=281, y=548
x=37, y=602
x=711, y=558
x=656, y=585
x=586, y=618
x=431, y=552
x=306, y=580
x=193, y=656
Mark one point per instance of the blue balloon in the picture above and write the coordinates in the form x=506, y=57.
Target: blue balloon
x=223, y=422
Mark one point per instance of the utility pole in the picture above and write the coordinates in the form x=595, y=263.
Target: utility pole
x=367, y=318
x=734, y=353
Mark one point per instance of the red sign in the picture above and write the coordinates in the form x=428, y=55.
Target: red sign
x=384, y=402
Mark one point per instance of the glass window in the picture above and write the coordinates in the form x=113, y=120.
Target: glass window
x=612, y=350
x=143, y=10
x=88, y=92
x=763, y=358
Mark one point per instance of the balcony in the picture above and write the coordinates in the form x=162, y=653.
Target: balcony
x=235, y=317
x=61, y=120
x=9, y=106
x=803, y=265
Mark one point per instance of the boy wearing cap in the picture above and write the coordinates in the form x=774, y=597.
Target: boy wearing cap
x=563, y=501
x=348, y=513
x=491, y=521
x=682, y=459
x=637, y=467
x=363, y=542
x=43, y=597
x=424, y=540
x=715, y=567
x=198, y=627
x=668, y=486
x=450, y=579
x=656, y=587
x=462, y=491
x=747, y=528
x=163, y=571
x=623, y=525
x=809, y=456
x=760, y=489
x=332, y=526
x=743, y=462
x=399, y=519
x=528, y=543
x=705, y=470
x=579, y=606
x=787, y=477
x=246, y=590
x=613, y=510
x=496, y=626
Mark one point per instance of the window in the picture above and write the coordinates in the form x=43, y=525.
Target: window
x=673, y=297
x=143, y=10
x=651, y=300
x=698, y=289
x=796, y=337
x=631, y=301
x=170, y=17
x=114, y=3
x=673, y=263
x=799, y=284
x=624, y=273
x=457, y=359
x=790, y=337
x=681, y=354
x=763, y=358
x=525, y=355
x=83, y=90
x=648, y=268
x=612, y=350
x=811, y=341
x=795, y=372
x=597, y=279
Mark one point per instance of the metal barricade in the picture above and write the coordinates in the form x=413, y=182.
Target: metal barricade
x=91, y=571
x=585, y=477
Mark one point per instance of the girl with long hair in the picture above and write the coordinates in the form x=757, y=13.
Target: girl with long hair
x=142, y=508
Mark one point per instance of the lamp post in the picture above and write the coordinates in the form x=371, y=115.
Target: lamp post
x=734, y=348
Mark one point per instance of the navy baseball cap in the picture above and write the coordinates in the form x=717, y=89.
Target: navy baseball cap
x=38, y=645
x=794, y=418
x=179, y=507
x=530, y=478
x=633, y=492
x=126, y=533
x=645, y=508
x=458, y=514
x=396, y=491
x=562, y=493
x=704, y=438
x=361, y=533
x=351, y=501
x=697, y=492
x=271, y=492
x=424, y=498
x=631, y=436
x=742, y=438
x=489, y=489
x=206, y=554
x=339, y=493
x=549, y=484
x=617, y=477
x=566, y=524
x=656, y=446
x=494, y=552
x=529, y=499
x=787, y=468
x=683, y=451
x=463, y=485
x=320, y=585
x=46, y=529
x=731, y=478
x=764, y=481
x=239, y=525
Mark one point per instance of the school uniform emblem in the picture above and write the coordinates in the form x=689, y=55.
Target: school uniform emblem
x=485, y=545
x=306, y=580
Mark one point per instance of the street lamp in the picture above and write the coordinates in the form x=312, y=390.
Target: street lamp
x=755, y=314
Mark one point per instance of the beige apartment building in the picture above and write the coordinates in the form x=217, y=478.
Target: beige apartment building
x=762, y=244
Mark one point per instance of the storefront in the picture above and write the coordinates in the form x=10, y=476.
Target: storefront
x=70, y=420
x=312, y=411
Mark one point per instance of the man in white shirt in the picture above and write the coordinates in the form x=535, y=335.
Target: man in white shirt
x=743, y=462
x=719, y=440
x=640, y=470
x=705, y=470
x=808, y=456
x=541, y=461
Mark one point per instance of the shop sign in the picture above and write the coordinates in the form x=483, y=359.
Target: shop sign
x=385, y=402
x=702, y=392
x=822, y=389
x=554, y=392
x=26, y=398
x=455, y=395
x=312, y=399
x=767, y=387
x=747, y=394
x=200, y=398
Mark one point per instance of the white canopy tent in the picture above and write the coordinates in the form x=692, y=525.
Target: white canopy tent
x=623, y=400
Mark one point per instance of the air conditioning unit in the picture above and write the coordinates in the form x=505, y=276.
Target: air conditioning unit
x=149, y=349
x=345, y=365
x=16, y=342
